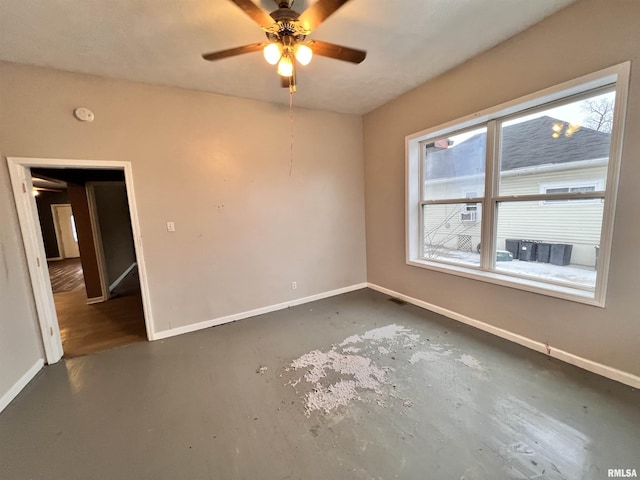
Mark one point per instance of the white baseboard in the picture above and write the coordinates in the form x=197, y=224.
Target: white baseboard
x=586, y=364
x=92, y=300
x=20, y=384
x=54, y=259
x=122, y=277
x=252, y=313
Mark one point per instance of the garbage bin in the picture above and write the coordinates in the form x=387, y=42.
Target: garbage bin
x=543, y=252
x=560, y=254
x=527, y=252
x=512, y=245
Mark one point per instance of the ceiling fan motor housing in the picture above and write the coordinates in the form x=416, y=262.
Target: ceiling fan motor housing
x=288, y=29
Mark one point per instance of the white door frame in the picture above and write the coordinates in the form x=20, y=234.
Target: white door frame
x=20, y=173
x=97, y=240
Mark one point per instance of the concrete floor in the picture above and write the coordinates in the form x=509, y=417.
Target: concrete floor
x=438, y=400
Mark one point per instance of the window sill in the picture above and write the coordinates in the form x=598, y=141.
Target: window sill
x=530, y=285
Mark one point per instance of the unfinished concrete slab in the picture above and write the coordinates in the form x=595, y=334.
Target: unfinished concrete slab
x=353, y=387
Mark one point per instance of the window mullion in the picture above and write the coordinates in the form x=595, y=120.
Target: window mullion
x=421, y=192
x=447, y=201
x=487, y=258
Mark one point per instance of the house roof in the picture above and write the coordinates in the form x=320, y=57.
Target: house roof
x=526, y=144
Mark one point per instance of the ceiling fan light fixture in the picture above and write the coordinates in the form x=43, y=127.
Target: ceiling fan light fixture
x=285, y=66
x=303, y=53
x=272, y=53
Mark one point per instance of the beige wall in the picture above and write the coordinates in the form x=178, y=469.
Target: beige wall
x=588, y=36
x=219, y=168
x=116, y=236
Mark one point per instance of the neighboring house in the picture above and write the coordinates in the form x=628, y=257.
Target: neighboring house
x=533, y=161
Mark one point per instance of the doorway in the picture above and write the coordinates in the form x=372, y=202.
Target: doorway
x=66, y=232
x=114, y=298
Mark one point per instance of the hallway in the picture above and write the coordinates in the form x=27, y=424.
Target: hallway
x=101, y=326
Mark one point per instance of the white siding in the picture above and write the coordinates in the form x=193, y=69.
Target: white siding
x=575, y=223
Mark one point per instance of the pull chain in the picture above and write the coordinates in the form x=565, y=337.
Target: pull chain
x=291, y=126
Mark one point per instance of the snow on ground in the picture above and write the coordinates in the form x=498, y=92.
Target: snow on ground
x=584, y=276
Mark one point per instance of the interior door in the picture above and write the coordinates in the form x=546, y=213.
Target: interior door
x=66, y=231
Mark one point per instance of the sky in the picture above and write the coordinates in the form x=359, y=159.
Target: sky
x=573, y=113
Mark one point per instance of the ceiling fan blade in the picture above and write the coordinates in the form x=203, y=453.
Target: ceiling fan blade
x=317, y=13
x=254, y=47
x=258, y=15
x=331, y=50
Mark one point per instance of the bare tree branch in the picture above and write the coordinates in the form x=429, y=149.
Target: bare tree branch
x=599, y=114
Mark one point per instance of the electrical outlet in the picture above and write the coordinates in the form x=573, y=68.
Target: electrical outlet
x=171, y=227
x=294, y=285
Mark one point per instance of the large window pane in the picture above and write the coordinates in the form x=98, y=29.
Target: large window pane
x=552, y=164
x=568, y=145
x=558, y=242
x=454, y=166
x=450, y=234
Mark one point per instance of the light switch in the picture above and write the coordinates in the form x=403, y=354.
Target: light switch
x=171, y=227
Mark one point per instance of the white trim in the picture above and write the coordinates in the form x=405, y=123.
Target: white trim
x=19, y=172
x=92, y=300
x=613, y=178
x=97, y=239
x=53, y=259
x=512, y=280
x=17, y=387
x=567, y=357
x=34, y=250
x=122, y=277
x=258, y=311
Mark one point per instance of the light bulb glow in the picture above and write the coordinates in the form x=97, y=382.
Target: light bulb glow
x=272, y=53
x=303, y=53
x=285, y=66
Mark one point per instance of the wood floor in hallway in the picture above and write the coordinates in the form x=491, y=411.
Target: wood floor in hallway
x=101, y=326
x=66, y=275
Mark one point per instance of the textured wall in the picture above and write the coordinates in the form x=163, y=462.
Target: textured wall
x=585, y=37
x=219, y=168
x=115, y=228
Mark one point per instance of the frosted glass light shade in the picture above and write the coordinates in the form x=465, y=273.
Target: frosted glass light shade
x=272, y=53
x=285, y=66
x=303, y=54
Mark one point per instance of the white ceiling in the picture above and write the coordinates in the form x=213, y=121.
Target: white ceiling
x=161, y=42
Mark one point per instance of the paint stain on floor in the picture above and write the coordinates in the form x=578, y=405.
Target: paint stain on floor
x=365, y=368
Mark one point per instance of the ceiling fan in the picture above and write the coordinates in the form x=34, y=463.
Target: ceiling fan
x=286, y=32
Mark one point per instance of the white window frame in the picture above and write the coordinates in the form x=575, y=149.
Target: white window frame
x=617, y=75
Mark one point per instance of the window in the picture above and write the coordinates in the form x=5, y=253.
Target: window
x=523, y=194
x=470, y=211
x=572, y=187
